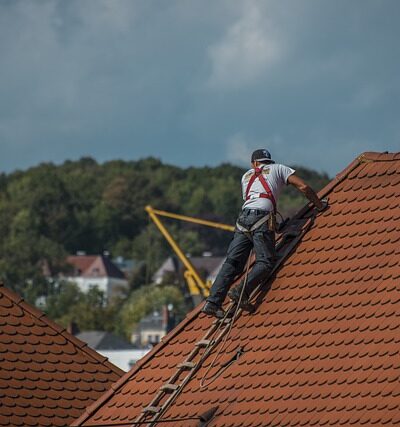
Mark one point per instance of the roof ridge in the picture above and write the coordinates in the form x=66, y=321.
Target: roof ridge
x=33, y=311
x=365, y=157
x=339, y=177
x=375, y=156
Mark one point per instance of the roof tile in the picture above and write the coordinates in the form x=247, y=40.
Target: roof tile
x=322, y=346
x=44, y=385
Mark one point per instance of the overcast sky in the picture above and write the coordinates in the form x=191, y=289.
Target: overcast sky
x=198, y=82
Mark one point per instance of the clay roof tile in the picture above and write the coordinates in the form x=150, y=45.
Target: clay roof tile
x=322, y=346
x=44, y=368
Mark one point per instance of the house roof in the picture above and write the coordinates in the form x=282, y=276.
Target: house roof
x=170, y=265
x=322, y=347
x=207, y=264
x=94, y=266
x=47, y=376
x=102, y=340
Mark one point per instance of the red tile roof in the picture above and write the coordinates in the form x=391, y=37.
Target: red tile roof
x=322, y=347
x=94, y=266
x=47, y=376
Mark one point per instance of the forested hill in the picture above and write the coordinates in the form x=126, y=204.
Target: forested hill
x=49, y=211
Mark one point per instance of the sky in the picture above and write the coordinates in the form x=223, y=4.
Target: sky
x=198, y=82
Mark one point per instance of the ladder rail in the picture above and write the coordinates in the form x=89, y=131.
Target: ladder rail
x=153, y=404
x=190, y=375
x=210, y=332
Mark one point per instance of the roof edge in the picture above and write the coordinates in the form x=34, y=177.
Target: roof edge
x=365, y=157
x=17, y=299
x=375, y=156
x=341, y=176
x=90, y=410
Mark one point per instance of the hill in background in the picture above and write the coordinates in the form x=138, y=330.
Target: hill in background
x=49, y=211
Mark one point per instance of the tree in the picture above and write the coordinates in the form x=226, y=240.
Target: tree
x=89, y=311
x=49, y=211
x=147, y=299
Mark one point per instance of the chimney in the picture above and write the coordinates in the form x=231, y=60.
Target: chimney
x=73, y=328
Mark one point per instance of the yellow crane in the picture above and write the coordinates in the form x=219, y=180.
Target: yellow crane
x=198, y=288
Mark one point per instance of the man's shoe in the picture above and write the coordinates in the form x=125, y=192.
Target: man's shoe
x=234, y=295
x=212, y=309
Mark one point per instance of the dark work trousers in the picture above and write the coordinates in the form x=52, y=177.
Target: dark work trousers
x=239, y=249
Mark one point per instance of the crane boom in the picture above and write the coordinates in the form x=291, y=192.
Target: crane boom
x=197, y=286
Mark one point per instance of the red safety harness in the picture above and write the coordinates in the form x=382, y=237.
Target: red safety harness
x=268, y=193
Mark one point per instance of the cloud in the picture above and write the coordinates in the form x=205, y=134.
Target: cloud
x=247, y=49
x=240, y=146
x=198, y=82
x=238, y=149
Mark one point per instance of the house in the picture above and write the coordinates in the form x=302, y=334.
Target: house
x=47, y=376
x=207, y=266
x=168, y=269
x=89, y=271
x=102, y=340
x=154, y=327
x=118, y=351
x=127, y=266
x=323, y=345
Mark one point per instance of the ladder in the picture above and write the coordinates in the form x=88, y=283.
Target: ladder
x=185, y=370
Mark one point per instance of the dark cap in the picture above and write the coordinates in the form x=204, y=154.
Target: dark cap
x=261, y=155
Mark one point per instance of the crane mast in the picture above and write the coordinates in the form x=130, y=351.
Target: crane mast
x=198, y=288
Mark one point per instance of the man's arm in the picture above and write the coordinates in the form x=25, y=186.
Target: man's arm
x=306, y=190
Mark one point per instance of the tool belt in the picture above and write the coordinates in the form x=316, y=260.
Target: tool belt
x=270, y=218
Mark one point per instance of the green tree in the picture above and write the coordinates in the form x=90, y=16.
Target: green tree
x=145, y=300
x=89, y=312
x=49, y=211
x=23, y=255
x=61, y=298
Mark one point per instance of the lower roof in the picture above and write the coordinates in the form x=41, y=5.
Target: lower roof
x=47, y=376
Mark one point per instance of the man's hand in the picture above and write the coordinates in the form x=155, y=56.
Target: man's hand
x=308, y=192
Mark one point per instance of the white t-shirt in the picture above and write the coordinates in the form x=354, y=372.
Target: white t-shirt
x=276, y=176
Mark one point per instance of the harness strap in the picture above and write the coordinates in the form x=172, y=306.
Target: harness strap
x=254, y=226
x=268, y=193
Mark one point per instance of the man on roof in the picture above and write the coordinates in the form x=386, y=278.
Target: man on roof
x=255, y=229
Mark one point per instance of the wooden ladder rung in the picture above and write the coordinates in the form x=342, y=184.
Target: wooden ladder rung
x=152, y=409
x=223, y=321
x=186, y=366
x=169, y=388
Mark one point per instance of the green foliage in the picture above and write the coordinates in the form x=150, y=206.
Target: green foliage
x=88, y=310
x=49, y=211
x=61, y=297
x=147, y=299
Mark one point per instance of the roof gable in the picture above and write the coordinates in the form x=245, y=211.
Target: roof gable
x=94, y=266
x=47, y=376
x=322, y=347
x=81, y=262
